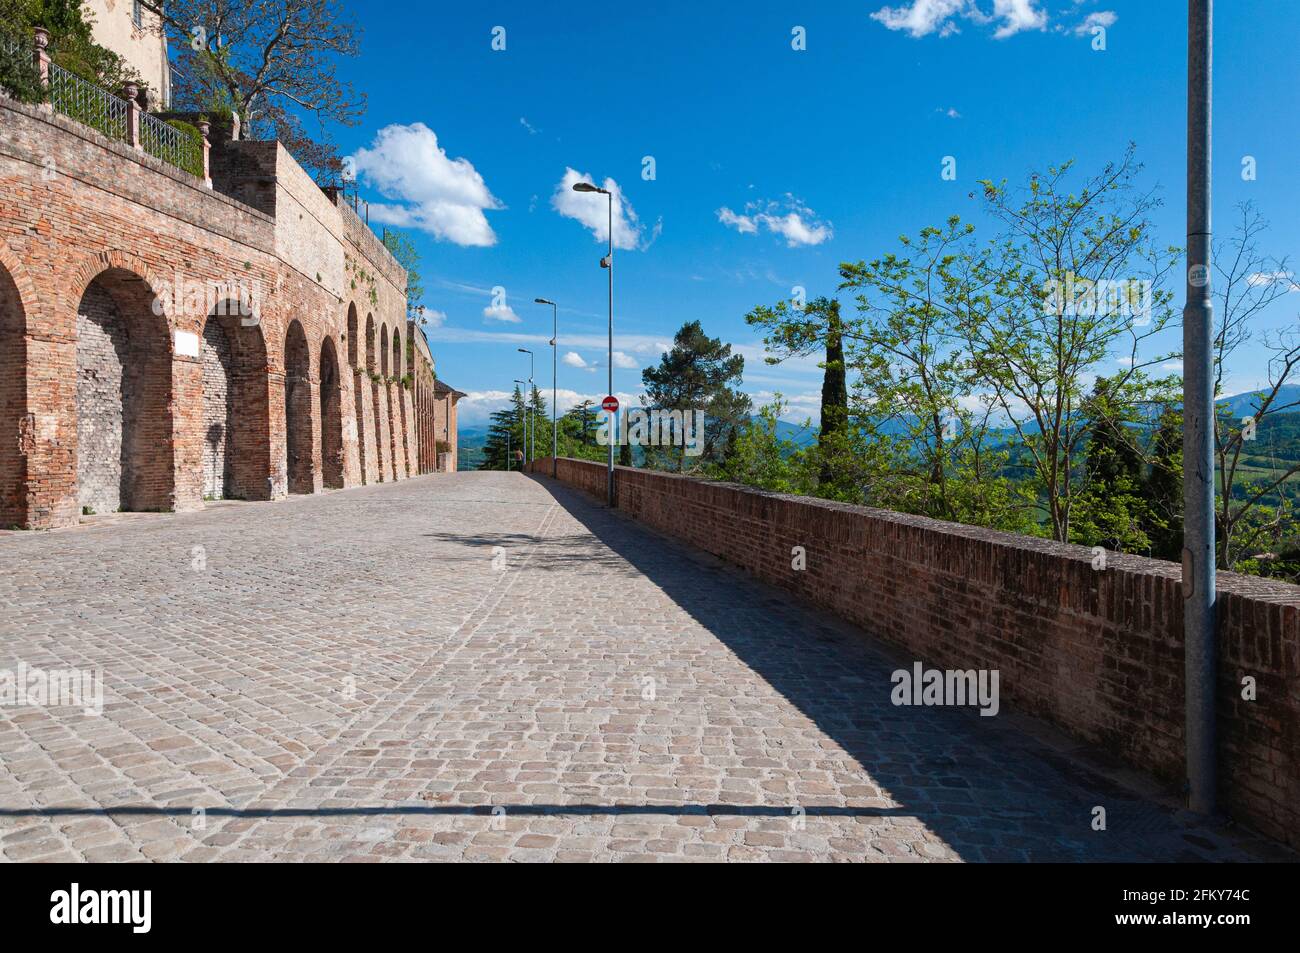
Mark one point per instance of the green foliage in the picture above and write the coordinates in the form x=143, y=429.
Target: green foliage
x=72, y=43
x=19, y=78
x=1164, y=487
x=403, y=249
x=761, y=458
x=697, y=374
x=1111, y=507
x=191, y=159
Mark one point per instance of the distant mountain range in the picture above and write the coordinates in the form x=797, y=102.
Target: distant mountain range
x=1246, y=404
x=1239, y=405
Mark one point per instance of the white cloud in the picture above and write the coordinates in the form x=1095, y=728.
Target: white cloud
x=527, y=125
x=924, y=17
x=1017, y=16
x=434, y=318
x=435, y=194
x=1261, y=278
x=741, y=223
x=624, y=361
x=791, y=219
x=591, y=209
x=949, y=112
x=476, y=407
x=1102, y=18
x=503, y=313
x=573, y=359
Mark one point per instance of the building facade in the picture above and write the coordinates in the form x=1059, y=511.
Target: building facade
x=168, y=340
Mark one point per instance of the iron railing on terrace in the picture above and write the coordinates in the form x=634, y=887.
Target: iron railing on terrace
x=94, y=106
x=174, y=146
x=89, y=104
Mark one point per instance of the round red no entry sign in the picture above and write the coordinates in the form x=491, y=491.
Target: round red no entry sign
x=609, y=405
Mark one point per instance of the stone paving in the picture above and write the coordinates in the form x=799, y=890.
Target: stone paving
x=483, y=666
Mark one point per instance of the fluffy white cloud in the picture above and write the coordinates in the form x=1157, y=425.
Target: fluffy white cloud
x=741, y=223
x=503, y=313
x=431, y=192
x=791, y=219
x=476, y=407
x=625, y=361
x=1017, y=16
x=591, y=209
x=573, y=359
x=1264, y=278
x=1102, y=18
x=924, y=17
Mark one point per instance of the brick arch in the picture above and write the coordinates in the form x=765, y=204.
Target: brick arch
x=124, y=421
x=17, y=301
x=353, y=330
x=331, y=415
x=33, y=303
x=92, y=266
x=236, y=411
x=298, y=407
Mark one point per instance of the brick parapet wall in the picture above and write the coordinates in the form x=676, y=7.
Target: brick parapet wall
x=1096, y=652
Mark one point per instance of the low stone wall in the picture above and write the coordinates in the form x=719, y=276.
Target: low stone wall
x=1097, y=652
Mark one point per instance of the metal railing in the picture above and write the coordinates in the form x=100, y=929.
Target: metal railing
x=90, y=104
x=164, y=141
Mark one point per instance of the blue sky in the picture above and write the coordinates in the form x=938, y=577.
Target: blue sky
x=818, y=155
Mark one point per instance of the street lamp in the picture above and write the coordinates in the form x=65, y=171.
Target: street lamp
x=523, y=410
x=530, y=450
x=608, y=263
x=1199, y=593
x=555, y=338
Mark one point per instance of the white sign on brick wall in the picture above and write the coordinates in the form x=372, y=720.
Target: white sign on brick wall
x=187, y=344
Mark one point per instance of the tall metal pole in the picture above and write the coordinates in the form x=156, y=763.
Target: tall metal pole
x=530, y=425
x=609, y=490
x=1198, y=424
x=555, y=373
x=555, y=364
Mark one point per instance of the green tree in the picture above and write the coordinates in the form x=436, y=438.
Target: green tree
x=1248, y=283
x=505, y=435
x=762, y=458
x=273, y=63
x=1164, y=487
x=697, y=374
x=791, y=331
x=1073, y=282
x=1111, y=507
x=402, y=248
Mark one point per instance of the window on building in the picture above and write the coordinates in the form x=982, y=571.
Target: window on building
x=137, y=13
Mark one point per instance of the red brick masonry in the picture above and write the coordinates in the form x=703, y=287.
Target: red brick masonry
x=1097, y=652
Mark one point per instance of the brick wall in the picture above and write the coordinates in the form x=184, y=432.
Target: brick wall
x=1098, y=653
x=78, y=213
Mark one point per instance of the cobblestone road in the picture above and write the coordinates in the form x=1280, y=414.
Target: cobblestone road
x=482, y=667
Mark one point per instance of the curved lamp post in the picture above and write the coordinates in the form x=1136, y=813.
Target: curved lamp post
x=607, y=262
x=555, y=337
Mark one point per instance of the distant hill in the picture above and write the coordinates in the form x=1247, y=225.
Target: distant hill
x=1246, y=404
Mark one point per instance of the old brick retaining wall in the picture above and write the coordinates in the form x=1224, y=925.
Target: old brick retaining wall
x=115, y=392
x=1097, y=652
